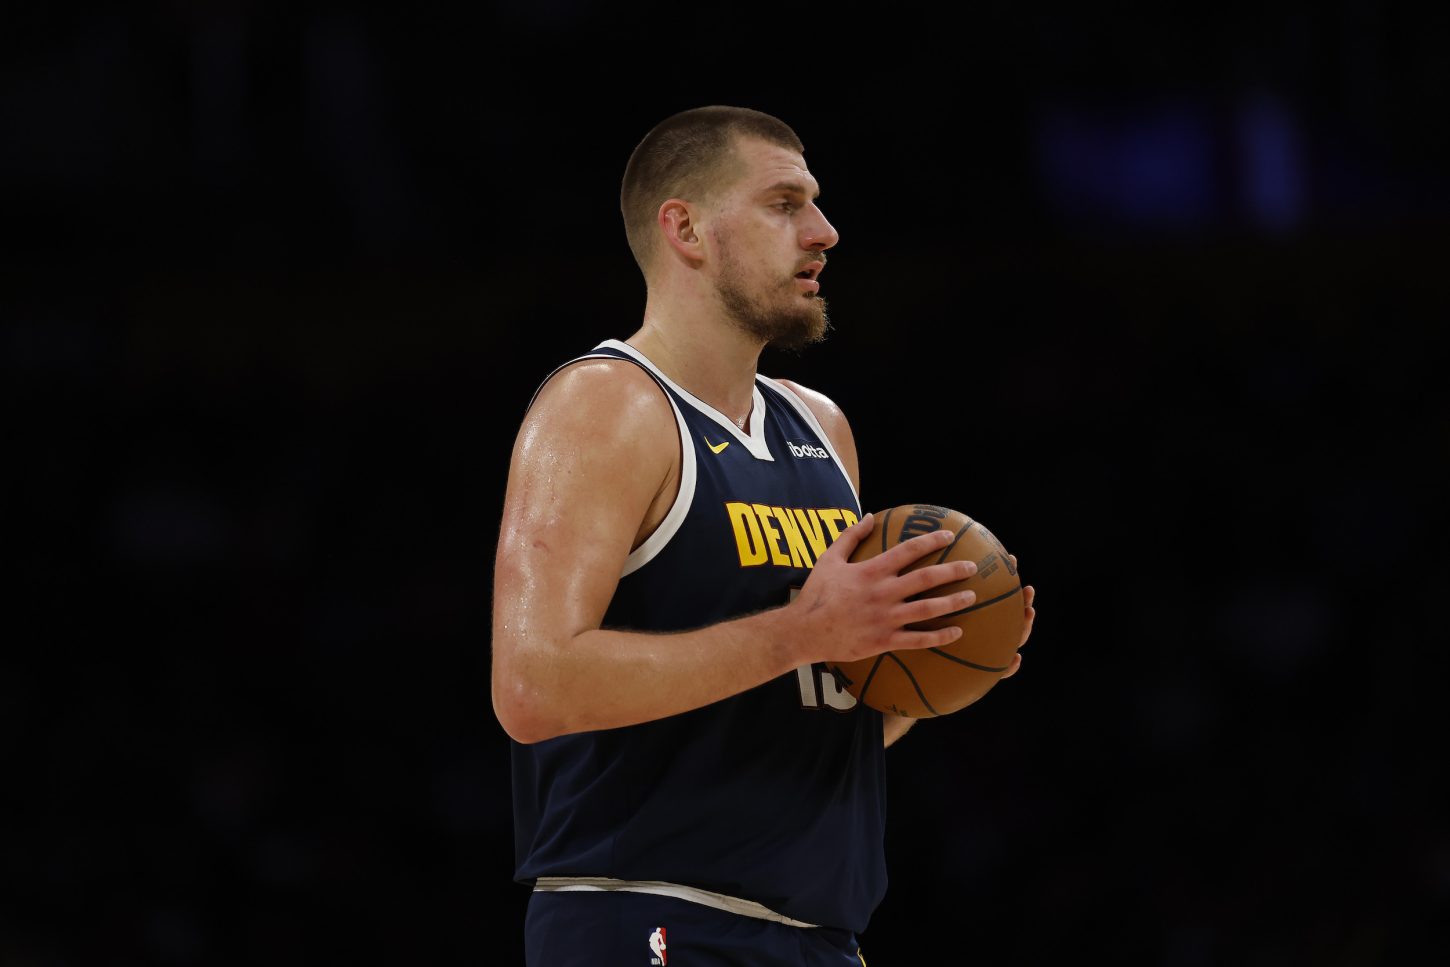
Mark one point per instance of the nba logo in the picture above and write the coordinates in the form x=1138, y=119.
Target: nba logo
x=657, y=944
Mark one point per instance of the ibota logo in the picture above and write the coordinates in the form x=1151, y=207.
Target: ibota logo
x=808, y=450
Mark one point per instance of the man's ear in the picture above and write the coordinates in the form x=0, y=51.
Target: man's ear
x=678, y=226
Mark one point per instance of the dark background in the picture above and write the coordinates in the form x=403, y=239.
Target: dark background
x=1157, y=295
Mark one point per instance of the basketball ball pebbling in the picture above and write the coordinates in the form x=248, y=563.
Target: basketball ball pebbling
x=925, y=682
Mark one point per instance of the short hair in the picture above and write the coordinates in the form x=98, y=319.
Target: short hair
x=688, y=155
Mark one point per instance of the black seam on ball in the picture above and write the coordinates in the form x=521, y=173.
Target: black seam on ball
x=974, y=607
x=965, y=527
x=969, y=664
x=866, y=685
x=912, y=678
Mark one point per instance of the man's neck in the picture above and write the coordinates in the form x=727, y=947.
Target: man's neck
x=715, y=362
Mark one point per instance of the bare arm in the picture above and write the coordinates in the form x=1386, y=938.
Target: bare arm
x=592, y=467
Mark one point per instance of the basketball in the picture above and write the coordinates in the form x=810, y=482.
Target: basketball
x=925, y=682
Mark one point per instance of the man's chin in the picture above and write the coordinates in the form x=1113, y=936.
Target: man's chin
x=806, y=330
x=792, y=327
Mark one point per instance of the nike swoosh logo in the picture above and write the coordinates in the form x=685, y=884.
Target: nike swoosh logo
x=716, y=448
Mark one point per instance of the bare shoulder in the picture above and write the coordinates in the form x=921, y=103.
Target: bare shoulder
x=832, y=419
x=597, y=455
x=600, y=430
x=610, y=395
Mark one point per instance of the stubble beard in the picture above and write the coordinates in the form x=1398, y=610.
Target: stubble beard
x=794, y=321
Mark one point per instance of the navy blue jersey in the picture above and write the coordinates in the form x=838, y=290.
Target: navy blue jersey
x=775, y=795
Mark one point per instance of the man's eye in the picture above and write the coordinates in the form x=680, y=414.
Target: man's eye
x=786, y=206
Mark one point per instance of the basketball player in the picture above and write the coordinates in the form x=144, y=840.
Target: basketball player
x=672, y=574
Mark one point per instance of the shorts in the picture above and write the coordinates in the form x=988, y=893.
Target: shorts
x=623, y=929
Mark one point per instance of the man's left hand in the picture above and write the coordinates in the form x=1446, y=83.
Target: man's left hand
x=1029, y=594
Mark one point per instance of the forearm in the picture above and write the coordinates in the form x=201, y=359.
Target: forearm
x=604, y=679
x=549, y=680
x=894, y=727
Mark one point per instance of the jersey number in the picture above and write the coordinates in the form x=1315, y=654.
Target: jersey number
x=819, y=689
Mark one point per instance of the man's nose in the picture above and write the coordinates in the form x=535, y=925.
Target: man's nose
x=819, y=234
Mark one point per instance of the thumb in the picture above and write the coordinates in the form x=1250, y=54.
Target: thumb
x=851, y=538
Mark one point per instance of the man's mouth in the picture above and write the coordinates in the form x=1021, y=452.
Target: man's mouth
x=807, y=277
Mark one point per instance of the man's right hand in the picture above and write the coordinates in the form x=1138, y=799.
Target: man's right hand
x=848, y=611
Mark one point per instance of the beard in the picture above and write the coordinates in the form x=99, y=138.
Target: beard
x=792, y=320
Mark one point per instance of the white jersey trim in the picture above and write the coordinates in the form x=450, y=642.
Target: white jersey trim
x=754, y=441
x=809, y=416
x=656, y=542
x=730, y=904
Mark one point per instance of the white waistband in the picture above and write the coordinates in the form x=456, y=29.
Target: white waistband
x=730, y=904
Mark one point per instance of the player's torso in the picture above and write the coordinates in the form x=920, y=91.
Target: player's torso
x=757, y=795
